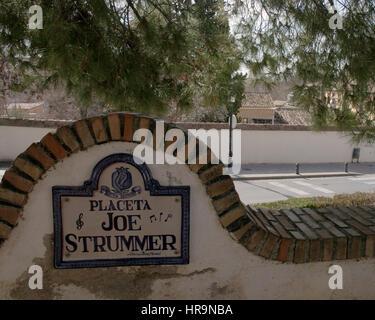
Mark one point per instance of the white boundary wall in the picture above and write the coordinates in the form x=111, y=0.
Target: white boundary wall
x=14, y=140
x=257, y=146
x=277, y=146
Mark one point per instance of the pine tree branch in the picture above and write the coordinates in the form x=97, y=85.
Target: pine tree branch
x=160, y=10
x=139, y=17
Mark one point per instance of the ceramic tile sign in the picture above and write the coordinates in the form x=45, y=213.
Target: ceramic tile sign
x=121, y=216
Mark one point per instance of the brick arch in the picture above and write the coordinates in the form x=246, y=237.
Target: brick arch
x=256, y=230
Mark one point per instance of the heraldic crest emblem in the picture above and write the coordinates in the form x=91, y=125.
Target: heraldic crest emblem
x=121, y=185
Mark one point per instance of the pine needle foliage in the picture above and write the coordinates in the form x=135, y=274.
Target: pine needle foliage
x=134, y=55
x=304, y=43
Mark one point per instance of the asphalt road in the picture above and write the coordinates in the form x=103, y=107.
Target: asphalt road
x=258, y=191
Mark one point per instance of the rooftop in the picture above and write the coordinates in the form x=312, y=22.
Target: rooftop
x=257, y=100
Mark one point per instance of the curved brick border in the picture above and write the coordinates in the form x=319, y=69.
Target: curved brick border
x=243, y=224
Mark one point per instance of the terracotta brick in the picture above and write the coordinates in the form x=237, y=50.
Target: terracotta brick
x=84, y=133
x=9, y=196
x=254, y=215
x=29, y=168
x=322, y=211
x=284, y=221
x=361, y=212
x=238, y=234
x=266, y=223
x=98, y=128
x=291, y=215
x=370, y=244
x=313, y=214
x=53, y=146
x=300, y=251
x=307, y=219
x=255, y=238
x=360, y=227
x=196, y=167
x=271, y=229
x=284, y=249
x=329, y=237
x=128, y=127
x=114, y=125
x=268, y=214
x=335, y=220
x=306, y=230
x=356, y=216
x=314, y=254
x=254, y=218
x=67, y=137
x=352, y=232
x=4, y=231
x=220, y=187
x=369, y=210
x=328, y=249
x=9, y=214
x=297, y=235
x=144, y=123
x=281, y=231
x=298, y=211
x=331, y=228
x=355, y=248
x=18, y=182
x=231, y=216
x=341, y=248
x=269, y=245
x=226, y=202
x=36, y=152
x=211, y=173
x=323, y=233
x=339, y=213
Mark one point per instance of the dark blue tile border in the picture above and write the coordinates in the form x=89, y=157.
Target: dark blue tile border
x=88, y=189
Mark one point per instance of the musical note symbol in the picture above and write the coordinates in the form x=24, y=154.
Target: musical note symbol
x=152, y=217
x=79, y=221
x=169, y=216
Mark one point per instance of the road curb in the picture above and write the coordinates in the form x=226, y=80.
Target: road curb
x=293, y=176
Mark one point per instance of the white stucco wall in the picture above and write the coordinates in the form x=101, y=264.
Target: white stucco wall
x=276, y=146
x=14, y=140
x=219, y=267
x=256, y=146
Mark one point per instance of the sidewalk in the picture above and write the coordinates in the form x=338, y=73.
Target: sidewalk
x=263, y=171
